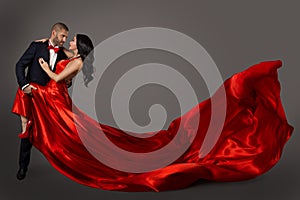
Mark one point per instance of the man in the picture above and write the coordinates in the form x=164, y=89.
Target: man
x=52, y=51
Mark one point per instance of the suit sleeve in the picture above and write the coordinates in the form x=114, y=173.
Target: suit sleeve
x=23, y=63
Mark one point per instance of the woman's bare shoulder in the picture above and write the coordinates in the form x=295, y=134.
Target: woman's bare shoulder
x=76, y=62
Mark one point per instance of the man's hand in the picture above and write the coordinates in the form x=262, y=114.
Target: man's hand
x=28, y=89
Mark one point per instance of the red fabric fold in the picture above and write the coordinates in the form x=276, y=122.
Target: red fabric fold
x=251, y=142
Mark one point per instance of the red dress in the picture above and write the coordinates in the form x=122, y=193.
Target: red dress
x=251, y=141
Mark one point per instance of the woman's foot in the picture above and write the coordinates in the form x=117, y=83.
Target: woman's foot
x=25, y=134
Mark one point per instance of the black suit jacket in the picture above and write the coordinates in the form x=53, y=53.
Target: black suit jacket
x=30, y=58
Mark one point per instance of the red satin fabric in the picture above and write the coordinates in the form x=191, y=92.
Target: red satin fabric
x=251, y=142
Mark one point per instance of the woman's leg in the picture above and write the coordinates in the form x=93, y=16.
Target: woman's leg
x=26, y=124
x=24, y=121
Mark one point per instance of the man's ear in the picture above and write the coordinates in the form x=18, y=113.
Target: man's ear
x=53, y=33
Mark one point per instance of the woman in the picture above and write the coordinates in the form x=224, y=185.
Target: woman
x=250, y=143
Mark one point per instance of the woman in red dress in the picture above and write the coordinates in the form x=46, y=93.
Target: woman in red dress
x=251, y=142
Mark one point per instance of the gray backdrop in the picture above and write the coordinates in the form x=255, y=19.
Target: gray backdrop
x=236, y=34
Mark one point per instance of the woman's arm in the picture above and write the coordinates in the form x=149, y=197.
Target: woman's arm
x=73, y=67
x=42, y=40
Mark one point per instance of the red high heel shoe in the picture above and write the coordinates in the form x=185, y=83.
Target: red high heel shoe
x=26, y=133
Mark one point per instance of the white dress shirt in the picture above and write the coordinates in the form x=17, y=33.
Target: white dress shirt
x=52, y=56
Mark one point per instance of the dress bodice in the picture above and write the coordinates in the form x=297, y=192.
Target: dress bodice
x=60, y=66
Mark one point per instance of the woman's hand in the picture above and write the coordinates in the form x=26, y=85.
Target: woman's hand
x=44, y=64
x=41, y=40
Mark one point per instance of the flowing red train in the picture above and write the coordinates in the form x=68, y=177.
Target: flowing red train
x=251, y=142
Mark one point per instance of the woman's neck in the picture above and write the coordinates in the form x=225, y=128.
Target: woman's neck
x=75, y=56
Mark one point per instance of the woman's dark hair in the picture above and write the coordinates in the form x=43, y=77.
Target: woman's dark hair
x=85, y=49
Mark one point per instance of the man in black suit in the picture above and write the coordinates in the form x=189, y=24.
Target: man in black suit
x=52, y=51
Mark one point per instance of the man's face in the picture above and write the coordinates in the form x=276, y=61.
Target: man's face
x=60, y=37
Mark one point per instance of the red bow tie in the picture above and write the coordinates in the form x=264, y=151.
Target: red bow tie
x=56, y=49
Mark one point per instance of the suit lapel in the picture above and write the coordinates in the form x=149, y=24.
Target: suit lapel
x=46, y=53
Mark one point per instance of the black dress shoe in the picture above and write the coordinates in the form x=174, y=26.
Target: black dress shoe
x=21, y=174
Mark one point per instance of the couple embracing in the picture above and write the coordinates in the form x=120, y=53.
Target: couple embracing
x=47, y=60
x=250, y=143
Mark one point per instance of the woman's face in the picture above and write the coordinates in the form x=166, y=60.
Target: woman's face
x=73, y=44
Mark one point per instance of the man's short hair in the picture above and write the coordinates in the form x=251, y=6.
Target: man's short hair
x=59, y=26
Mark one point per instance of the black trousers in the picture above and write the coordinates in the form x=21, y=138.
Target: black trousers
x=24, y=156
